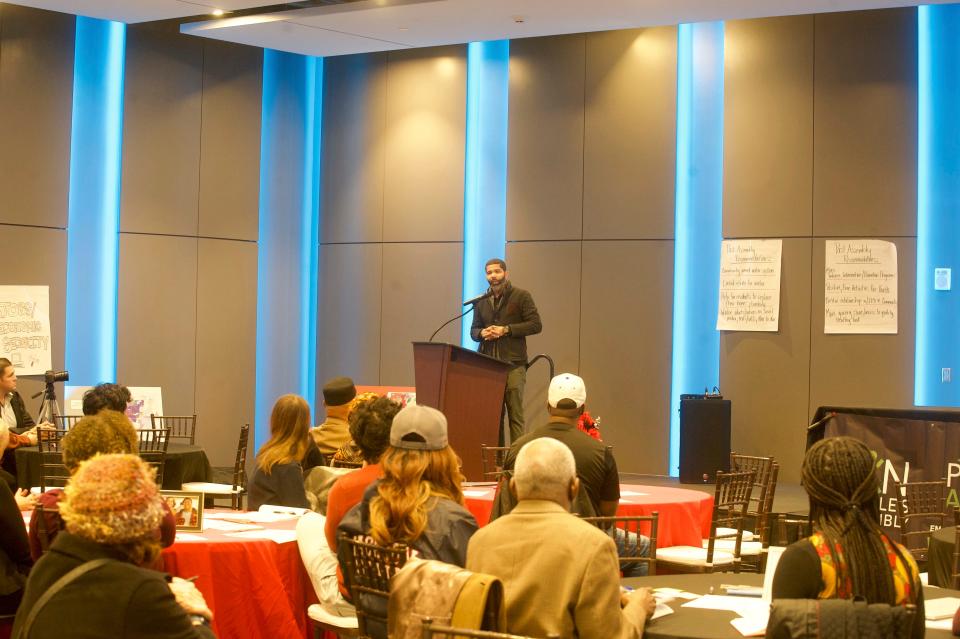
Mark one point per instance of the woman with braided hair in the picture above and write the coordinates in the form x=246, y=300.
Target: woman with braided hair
x=848, y=555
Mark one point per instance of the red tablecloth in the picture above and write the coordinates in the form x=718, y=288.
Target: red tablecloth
x=257, y=588
x=684, y=514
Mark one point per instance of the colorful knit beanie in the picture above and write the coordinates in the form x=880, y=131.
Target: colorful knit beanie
x=113, y=499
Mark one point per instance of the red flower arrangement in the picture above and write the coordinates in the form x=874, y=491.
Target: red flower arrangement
x=589, y=425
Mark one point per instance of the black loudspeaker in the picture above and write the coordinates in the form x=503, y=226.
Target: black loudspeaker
x=704, y=438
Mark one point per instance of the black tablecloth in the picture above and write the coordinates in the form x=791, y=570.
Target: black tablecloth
x=940, y=557
x=184, y=463
x=690, y=623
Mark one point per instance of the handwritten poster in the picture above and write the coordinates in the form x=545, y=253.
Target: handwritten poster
x=860, y=287
x=25, y=328
x=750, y=285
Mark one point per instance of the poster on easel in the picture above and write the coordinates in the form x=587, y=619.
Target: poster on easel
x=25, y=328
x=860, y=287
x=750, y=285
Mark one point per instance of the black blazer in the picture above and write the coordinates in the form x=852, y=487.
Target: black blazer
x=515, y=310
x=24, y=421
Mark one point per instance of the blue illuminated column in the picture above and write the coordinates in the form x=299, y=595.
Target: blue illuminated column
x=485, y=168
x=698, y=233
x=288, y=232
x=93, y=216
x=938, y=201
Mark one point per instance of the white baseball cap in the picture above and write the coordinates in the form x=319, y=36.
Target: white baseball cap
x=566, y=386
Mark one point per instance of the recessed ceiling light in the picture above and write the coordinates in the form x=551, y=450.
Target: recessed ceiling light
x=217, y=12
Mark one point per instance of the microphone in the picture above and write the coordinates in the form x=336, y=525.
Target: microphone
x=476, y=299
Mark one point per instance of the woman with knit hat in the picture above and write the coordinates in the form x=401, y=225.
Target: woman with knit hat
x=112, y=511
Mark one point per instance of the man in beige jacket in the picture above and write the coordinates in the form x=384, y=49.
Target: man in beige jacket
x=560, y=573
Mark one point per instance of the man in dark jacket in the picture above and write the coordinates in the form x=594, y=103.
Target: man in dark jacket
x=501, y=324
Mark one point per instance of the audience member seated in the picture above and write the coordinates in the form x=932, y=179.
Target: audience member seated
x=419, y=501
x=561, y=574
x=849, y=555
x=114, y=397
x=350, y=453
x=15, y=558
x=278, y=478
x=334, y=432
x=107, y=431
x=113, y=511
x=17, y=428
x=596, y=467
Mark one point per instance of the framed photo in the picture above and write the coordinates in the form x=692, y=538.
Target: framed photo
x=187, y=509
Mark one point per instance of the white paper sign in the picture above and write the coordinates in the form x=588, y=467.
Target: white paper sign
x=25, y=328
x=860, y=287
x=750, y=285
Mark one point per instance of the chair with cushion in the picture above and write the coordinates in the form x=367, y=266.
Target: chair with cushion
x=153, y=449
x=431, y=629
x=923, y=508
x=758, y=529
x=635, y=525
x=181, y=426
x=492, y=458
x=236, y=490
x=53, y=474
x=65, y=422
x=332, y=619
x=730, y=503
x=368, y=570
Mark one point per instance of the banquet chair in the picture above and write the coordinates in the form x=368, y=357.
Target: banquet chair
x=431, y=630
x=923, y=507
x=956, y=560
x=65, y=422
x=756, y=538
x=235, y=490
x=634, y=524
x=730, y=503
x=345, y=463
x=53, y=474
x=492, y=458
x=369, y=569
x=325, y=619
x=153, y=448
x=181, y=426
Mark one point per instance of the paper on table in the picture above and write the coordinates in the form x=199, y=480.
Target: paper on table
x=256, y=517
x=673, y=593
x=743, y=606
x=941, y=607
x=751, y=626
x=662, y=610
x=228, y=526
x=939, y=624
x=182, y=536
x=279, y=536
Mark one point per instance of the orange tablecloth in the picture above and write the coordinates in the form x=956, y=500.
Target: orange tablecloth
x=257, y=588
x=684, y=514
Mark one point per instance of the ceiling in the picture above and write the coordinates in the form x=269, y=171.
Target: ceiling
x=382, y=25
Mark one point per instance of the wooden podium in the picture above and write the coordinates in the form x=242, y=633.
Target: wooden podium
x=468, y=388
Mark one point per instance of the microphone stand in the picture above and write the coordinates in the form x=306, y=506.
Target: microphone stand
x=448, y=321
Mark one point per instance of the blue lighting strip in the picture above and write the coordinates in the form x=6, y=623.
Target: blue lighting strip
x=485, y=167
x=93, y=217
x=938, y=182
x=288, y=238
x=698, y=232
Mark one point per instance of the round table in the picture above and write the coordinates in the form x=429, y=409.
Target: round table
x=940, y=557
x=684, y=514
x=184, y=462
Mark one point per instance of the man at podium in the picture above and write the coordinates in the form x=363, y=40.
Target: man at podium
x=501, y=323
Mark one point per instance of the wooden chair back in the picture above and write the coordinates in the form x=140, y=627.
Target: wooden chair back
x=240, y=468
x=923, y=508
x=632, y=525
x=181, y=426
x=345, y=463
x=431, y=629
x=758, y=518
x=730, y=503
x=491, y=458
x=369, y=569
x=153, y=449
x=53, y=474
x=66, y=422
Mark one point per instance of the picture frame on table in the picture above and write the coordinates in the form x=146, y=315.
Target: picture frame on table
x=187, y=509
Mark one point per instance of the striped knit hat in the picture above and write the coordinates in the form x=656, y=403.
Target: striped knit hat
x=113, y=499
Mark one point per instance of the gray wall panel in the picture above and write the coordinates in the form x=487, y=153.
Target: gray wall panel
x=545, y=143
x=161, y=132
x=354, y=108
x=625, y=348
x=50, y=271
x=421, y=290
x=767, y=375
x=230, y=141
x=157, y=317
x=226, y=331
x=768, y=127
x=865, y=157
x=629, y=155
x=348, y=314
x=865, y=370
x=551, y=272
x=36, y=100
x=424, y=145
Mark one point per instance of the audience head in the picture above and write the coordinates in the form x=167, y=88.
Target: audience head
x=106, y=432
x=566, y=396
x=839, y=475
x=545, y=469
x=8, y=377
x=114, y=501
x=417, y=466
x=106, y=397
x=289, y=433
x=339, y=391
x=370, y=423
